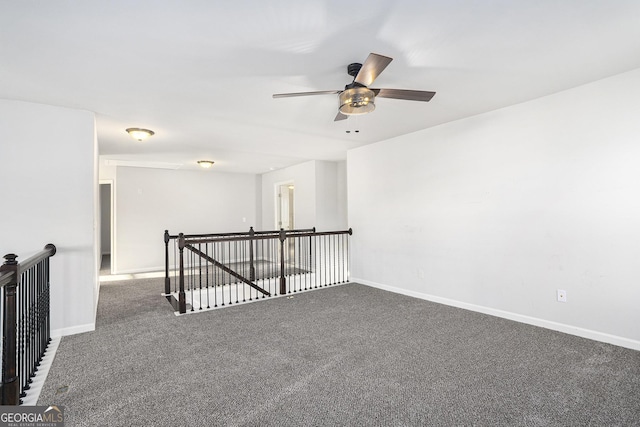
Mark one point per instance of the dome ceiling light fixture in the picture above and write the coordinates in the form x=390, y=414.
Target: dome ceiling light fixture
x=206, y=164
x=139, y=133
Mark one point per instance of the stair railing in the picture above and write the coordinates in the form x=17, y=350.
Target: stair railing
x=25, y=318
x=171, y=250
x=218, y=269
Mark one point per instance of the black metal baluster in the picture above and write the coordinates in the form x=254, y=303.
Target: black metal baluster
x=292, y=264
x=192, y=277
x=337, y=258
x=342, y=237
x=243, y=254
x=273, y=262
x=320, y=260
x=229, y=277
x=22, y=332
x=206, y=270
x=326, y=260
x=222, y=273
x=39, y=329
x=215, y=278
x=23, y=294
x=200, y=275
x=303, y=262
x=237, y=260
x=314, y=261
x=296, y=268
x=31, y=348
x=329, y=260
x=266, y=264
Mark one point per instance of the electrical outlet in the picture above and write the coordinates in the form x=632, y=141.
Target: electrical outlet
x=562, y=295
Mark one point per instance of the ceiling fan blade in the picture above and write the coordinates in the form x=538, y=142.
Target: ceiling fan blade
x=340, y=116
x=372, y=68
x=411, y=95
x=320, y=92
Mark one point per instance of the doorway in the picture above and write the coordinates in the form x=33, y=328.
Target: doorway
x=106, y=220
x=285, y=205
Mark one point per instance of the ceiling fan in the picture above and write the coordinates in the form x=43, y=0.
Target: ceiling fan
x=357, y=97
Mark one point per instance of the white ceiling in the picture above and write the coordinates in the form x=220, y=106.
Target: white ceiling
x=201, y=73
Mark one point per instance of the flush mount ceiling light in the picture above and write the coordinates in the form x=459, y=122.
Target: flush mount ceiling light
x=205, y=163
x=357, y=100
x=140, y=134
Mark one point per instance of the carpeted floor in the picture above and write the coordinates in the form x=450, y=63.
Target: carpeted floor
x=345, y=355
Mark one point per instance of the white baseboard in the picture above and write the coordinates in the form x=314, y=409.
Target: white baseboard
x=62, y=332
x=548, y=324
x=139, y=270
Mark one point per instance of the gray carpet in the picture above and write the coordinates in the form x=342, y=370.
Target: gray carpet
x=345, y=355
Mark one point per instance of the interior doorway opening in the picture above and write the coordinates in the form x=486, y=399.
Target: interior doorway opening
x=285, y=206
x=106, y=221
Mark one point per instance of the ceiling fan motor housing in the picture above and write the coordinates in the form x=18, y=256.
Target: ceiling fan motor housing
x=354, y=69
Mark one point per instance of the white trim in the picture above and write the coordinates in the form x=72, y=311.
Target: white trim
x=63, y=332
x=548, y=324
x=130, y=276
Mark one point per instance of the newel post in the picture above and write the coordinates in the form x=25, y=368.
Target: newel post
x=182, y=300
x=167, y=282
x=283, y=280
x=10, y=383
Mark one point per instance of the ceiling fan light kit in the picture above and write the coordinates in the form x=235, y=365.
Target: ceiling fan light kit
x=357, y=98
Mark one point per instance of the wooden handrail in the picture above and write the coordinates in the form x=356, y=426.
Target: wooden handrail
x=269, y=237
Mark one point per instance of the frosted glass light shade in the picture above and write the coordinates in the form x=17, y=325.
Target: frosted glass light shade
x=140, y=134
x=205, y=163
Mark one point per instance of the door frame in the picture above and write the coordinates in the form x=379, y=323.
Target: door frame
x=277, y=203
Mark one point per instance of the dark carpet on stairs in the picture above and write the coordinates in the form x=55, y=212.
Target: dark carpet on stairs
x=347, y=355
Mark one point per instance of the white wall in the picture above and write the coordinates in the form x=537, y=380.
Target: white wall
x=149, y=201
x=498, y=211
x=319, y=198
x=258, y=195
x=343, y=201
x=330, y=204
x=49, y=183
